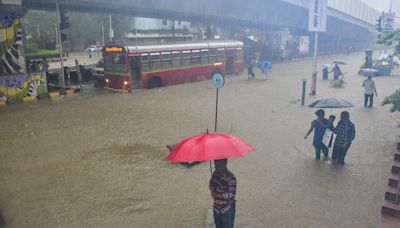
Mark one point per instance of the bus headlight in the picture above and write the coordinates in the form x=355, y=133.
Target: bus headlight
x=107, y=81
x=125, y=83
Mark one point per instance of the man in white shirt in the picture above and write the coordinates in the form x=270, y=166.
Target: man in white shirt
x=370, y=89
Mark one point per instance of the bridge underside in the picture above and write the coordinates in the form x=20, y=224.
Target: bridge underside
x=257, y=14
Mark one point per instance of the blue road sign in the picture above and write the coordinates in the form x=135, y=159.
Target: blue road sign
x=218, y=80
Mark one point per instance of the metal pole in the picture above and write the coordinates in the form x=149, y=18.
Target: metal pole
x=216, y=112
x=173, y=29
x=111, y=30
x=314, y=75
x=78, y=69
x=303, y=92
x=60, y=45
x=38, y=32
x=391, y=4
x=56, y=36
x=102, y=35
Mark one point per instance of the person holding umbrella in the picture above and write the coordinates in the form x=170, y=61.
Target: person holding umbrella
x=319, y=126
x=369, y=86
x=336, y=72
x=223, y=191
x=215, y=147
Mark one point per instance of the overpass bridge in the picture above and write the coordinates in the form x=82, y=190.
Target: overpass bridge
x=350, y=22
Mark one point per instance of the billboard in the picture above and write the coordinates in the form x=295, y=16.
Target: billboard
x=304, y=44
x=388, y=22
x=317, y=14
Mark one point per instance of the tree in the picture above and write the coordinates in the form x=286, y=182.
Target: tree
x=390, y=38
x=85, y=28
x=393, y=100
x=40, y=22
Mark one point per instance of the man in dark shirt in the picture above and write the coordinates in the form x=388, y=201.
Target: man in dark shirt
x=345, y=134
x=336, y=72
x=223, y=191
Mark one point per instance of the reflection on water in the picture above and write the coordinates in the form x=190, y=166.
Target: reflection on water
x=99, y=160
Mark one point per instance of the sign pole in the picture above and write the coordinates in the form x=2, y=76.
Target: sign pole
x=217, y=81
x=314, y=75
x=317, y=17
x=216, y=112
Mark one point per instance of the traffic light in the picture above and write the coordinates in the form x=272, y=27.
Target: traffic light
x=63, y=37
x=64, y=24
x=379, y=24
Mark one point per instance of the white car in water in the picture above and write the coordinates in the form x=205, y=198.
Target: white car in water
x=93, y=49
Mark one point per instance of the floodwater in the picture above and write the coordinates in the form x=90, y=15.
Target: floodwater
x=99, y=161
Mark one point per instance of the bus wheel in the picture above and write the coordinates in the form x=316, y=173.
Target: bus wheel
x=155, y=82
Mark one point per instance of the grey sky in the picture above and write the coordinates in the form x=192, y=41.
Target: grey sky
x=383, y=5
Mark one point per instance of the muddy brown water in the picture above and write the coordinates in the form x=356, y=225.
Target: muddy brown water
x=99, y=160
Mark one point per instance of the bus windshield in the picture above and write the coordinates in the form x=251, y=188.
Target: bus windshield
x=115, y=62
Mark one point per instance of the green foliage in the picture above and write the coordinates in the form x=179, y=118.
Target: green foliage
x=394, y=100
x=390, y=38
x=31, y=47
x=42, y=53
x=338, y=83
x=41, y=89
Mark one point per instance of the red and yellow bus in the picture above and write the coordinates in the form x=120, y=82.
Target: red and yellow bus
x=129, y=68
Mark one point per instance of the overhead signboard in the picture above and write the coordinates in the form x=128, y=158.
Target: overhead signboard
x=114, y=49
x=317, y=14
x=388, y=22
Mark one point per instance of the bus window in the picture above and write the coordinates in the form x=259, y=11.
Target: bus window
x=115, y=62
x=176, y=58
x=166, y=58
x=213, y=55
x=195, y=56
x=221, y=54
x=145, y=61
x=155, y=60
x=204, y=56
x=186, y=57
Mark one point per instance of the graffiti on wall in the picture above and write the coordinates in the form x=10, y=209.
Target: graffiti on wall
x=15, y=87
x=15, y=82
x=11, y=58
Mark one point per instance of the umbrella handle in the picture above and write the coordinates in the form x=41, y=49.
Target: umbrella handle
x=210, y=168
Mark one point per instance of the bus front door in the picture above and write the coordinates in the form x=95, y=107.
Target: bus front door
x=135, y=72
x=230, y=62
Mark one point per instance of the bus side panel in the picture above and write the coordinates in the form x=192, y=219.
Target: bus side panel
x=239, y=67
x=180, y=76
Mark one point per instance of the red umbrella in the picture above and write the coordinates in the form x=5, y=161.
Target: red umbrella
x=209, y=146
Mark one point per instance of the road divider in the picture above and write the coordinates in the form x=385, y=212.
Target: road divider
x=29, y=99
x=54, y=94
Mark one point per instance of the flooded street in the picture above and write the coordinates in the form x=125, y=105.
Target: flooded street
x=99, y=161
